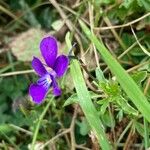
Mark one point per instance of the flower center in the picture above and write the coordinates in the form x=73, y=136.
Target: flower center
x=45, y=81
x=48, y=79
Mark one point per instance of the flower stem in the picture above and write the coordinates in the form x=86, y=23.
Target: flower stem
x=39, y=122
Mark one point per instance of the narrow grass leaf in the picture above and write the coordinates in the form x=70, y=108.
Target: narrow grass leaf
x=87, y=105
x=146, y=134
x=127, y=83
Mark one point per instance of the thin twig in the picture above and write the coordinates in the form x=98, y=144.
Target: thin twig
x=127, y=50
x=16, y=73
x=138, y=66
x=13, y=16
x=73, y=142
x=143, y=49
x=124, y=25
x=82, y=147
x=129, y=139
x=67, y=21
x=69, y=130
x=54, y=138
x=107, y=21
x=21, y=129
x=124, y=132
x=130, y=48
x=24, y=13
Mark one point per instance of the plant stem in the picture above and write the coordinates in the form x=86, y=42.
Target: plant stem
x=39, y=122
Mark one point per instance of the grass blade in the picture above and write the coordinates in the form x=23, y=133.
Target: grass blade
x=87, y=105
x=127, y=83
x=146, y=135
x=39, y=123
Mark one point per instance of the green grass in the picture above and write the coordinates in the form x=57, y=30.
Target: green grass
x=114, y=107
x=126, y=82
x=87, y=105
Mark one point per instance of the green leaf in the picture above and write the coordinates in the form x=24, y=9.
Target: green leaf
x=67, y=39
x=136, y=51
x=120, y=115
x=57, y=25
x=104, y=105
x=126, y=107
x=107, y=120
x=99, y=75
x=84, y=127
x=5, y=128
x=87, y=105
x=145, y=4
x=45, y=18
x=140, y=76
x=74, y=98
x=127, y=3
x=71, y=100
x=110, y=88
x=29, y=16
x=126, y=82
x=140, y=128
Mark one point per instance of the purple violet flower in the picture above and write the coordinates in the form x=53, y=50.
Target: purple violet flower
x=58, y=66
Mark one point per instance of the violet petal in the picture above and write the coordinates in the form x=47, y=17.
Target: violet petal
x=61, y=65
x=48, y=47
x=37, y=92
x=56, y=89
x=38, y=67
